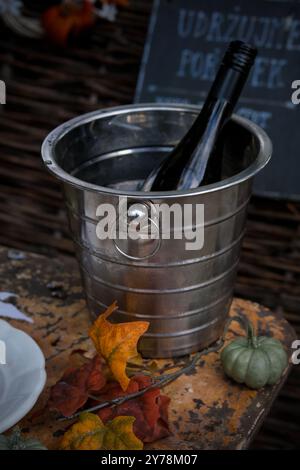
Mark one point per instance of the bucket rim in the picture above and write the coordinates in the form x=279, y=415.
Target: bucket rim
x=50, y=141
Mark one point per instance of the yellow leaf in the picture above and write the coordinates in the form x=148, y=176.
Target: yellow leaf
x=83, y=435
x=89, y=433
x=117, y=342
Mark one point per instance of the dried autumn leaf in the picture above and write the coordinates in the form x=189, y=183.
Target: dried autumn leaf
x=117, y=342
x=72, y=391
x=150, y=409
x=89, y=433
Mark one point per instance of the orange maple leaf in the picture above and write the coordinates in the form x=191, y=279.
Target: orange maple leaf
x=117, y=342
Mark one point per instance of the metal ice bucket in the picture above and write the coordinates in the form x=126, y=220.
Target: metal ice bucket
x=184, y=294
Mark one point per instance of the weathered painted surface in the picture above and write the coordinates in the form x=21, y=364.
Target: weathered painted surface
x=207, y=411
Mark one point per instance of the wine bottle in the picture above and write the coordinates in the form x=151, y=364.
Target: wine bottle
x=194, y=162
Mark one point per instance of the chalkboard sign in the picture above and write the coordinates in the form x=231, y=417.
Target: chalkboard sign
x=186, y=40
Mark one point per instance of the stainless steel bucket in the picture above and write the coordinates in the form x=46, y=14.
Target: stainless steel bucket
x=184, y=294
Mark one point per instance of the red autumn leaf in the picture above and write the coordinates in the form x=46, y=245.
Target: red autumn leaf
x=150, y=409
x=62, y=21
x=72, y=391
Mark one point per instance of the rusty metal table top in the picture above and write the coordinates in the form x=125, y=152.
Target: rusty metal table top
x=207, y=410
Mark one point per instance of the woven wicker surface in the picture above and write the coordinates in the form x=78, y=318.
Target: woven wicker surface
x=47, y=85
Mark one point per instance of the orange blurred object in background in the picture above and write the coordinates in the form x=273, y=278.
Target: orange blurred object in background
x=68, y=19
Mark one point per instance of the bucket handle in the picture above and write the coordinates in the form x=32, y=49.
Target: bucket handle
x=152, y=222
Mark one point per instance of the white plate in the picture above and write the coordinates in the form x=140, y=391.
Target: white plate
x=22, y=378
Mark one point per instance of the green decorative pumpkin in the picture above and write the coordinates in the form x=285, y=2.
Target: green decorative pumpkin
x=15, y=441
x=254, y=360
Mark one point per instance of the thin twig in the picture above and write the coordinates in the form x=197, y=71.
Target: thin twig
x=163, y=380
x=114, y=401
x=160, y=382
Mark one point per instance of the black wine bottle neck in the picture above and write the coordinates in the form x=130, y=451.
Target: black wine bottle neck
x=186, y=166
x=227, y=86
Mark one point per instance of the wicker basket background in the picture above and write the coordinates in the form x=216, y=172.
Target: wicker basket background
x=47, y=85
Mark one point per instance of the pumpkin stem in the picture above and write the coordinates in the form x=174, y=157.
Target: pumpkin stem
x=251, y=336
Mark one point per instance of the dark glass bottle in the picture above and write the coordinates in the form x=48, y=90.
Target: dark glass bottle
x=194, y=161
